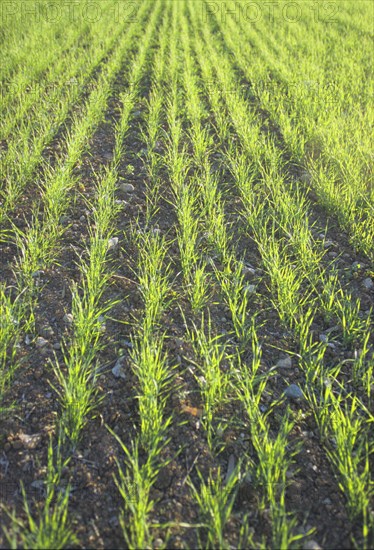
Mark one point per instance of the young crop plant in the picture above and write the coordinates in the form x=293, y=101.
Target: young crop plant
x=154, y=377
x=179, y=166
x=338, y=173
x=153, y=126
x=134, y=484
x=346, y=435
x=363, y=366
x=52, y=529
x=273, y=453
x=153, y=277
x=215, y=499
x=149, y=360
x=212, y=377
x=11, y=319
x=153, y=161
x=78, y=385
x=214, y=213
x=236, y=294
x=88, y=309
x=24, y=157
x=188, y=234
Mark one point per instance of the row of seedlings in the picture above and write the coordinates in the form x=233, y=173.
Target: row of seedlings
x=143, y=456
x=339, y=178
x=289, y=300
x=76, y=381
x=38, y=244
x=37, y=131
x=273, y=453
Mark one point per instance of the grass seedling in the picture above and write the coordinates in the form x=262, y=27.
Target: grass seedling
x=52, y=529
x=215, y=500
x=211, y=353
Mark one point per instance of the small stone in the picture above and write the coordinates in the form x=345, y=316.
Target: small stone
x=46, y=331
x=118, y=370
x=311, y=545
x=328, y=244
x=327, y=501
x=30, y=441
x=159, y=543
x=113, y=521
x=368, y=283
x=285, y=363
x=126, y=343
x=248, y=271
x=57, y=345
x=305, y=177
x=64, y=220
x=68, y=318
x=82, y=219
x=28, y=340
x=127, y=188
x=37, y=484
x=102, y=325
x=112, y=243
x=38, y=273
x=41, y=342
x=250, y=289
x=293, y=392
x=324, y=338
